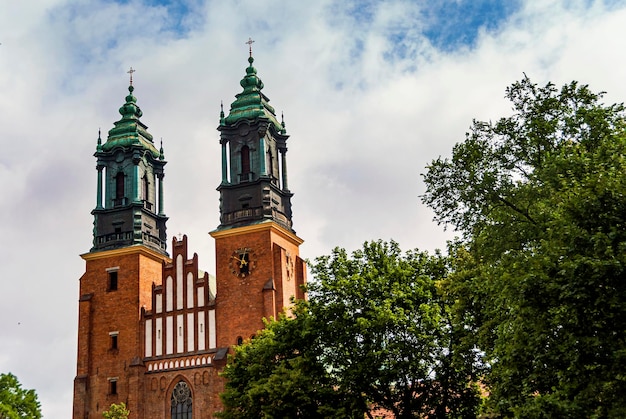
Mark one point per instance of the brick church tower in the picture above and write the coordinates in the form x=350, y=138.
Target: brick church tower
x=154, y=331
x=258, y=264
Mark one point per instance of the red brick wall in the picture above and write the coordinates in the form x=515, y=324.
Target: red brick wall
x=240, y=305
x=241, y=302
x=205, y=384
x=101, y=312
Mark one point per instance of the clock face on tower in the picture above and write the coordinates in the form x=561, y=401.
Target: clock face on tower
x=242, y=262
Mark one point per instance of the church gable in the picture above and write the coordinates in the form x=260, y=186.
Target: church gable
x=180, y=329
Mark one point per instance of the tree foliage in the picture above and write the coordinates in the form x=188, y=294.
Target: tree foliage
x=16, y=402
x=540, y=200
x=278, y=374
x=387, y=333
x=375, y=333
x=116, y=411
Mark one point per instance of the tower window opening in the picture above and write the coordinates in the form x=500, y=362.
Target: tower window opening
x=112, y=386
x=239, y=340
x=245, y=163
x=181, y=401
x=119, y=189
x=112, y=281
x=270, y=160
x=145, y=191
x=113, y=336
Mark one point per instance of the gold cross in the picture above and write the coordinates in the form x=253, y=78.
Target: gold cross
x=250, y=42
x=131, y=71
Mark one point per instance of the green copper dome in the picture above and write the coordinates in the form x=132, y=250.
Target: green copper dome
x=251, y=103
x=129, y=130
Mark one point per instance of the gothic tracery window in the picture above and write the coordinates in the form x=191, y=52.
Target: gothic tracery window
x=181, y=401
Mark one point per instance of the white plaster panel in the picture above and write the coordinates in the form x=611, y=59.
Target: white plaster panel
x=201, y=328
x=180, y=335
x=200, y=296
x=212, y=337
x=189, y=290
x=158, y=350
x=148, y=338
x=190, y=332
x=169, y=294
x=169, y=335
x=159, y=303
x=179, y=282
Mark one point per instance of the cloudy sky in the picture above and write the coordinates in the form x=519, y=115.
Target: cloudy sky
x=371, y=92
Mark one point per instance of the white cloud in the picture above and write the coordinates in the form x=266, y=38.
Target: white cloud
x=364, y=123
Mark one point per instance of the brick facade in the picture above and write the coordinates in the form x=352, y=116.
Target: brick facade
x=118, y=333
x=153, y=330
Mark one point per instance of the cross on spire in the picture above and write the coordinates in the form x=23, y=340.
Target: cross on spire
x=131, y=71
x=250, y=42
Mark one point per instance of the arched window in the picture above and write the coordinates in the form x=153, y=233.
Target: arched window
x=145, y=192
x=146, y=186
x=245, y=162
x=270, y=161
x=181, y=401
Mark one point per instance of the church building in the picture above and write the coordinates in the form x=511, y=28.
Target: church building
x=154, y=330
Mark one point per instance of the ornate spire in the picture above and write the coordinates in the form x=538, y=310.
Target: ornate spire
x=282, y=123
x=130, y=130
x=99, y=146
x=251, y=103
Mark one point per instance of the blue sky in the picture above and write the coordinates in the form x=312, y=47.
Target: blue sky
x=456, y=24
x=371, y=93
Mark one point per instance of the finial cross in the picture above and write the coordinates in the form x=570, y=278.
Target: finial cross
x=250, y=42
x=131, y=71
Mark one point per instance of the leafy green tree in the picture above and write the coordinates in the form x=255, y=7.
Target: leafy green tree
x=539, y=274
x=116, y=411
x=387, y=334
x=278, y=374
x=16, y=402
x=375, y=333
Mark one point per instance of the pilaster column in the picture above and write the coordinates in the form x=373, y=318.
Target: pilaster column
x=135, y=178
x=99, y=188
x=283, y=157
x=224, y=162
x=262, y=157
x=161, y=209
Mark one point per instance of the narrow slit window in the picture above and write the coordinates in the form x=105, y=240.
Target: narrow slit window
x=112, y=281
x=146, y=188
x=112, y=386
x=114, y=340
x=119, y=189
x=245, y=160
